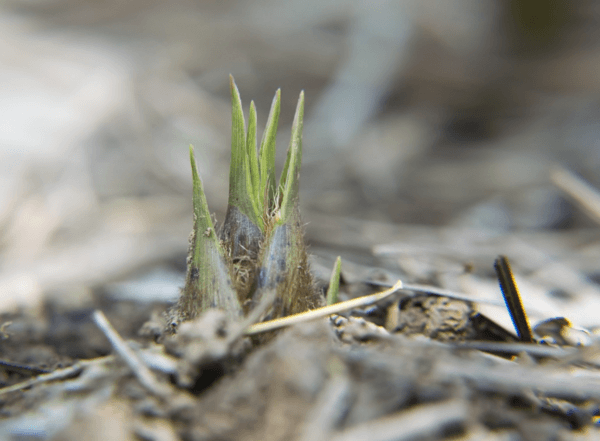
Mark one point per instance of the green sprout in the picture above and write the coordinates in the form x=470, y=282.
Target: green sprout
x=334, y=283
x=259, y=255
x=207, y=284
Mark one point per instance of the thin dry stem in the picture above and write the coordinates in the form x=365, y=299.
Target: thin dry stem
x=325, y=311
x=579, y=190
x=59, y=374
x=424, y=421
x=140, y=370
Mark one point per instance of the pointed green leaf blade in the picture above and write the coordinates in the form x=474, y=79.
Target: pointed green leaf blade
x=290, y=177
x=252, y=156
x=243, y=228
x=208, y=284
x=334, y=282
x=240, y=191
x=237, y=167
x=267, y=154
x=202, y=219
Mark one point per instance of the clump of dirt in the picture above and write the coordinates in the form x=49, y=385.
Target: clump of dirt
x=437, y=317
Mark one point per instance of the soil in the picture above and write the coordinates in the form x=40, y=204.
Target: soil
x=342, y=378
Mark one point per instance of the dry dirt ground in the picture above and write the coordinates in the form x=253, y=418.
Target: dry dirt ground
x=443, y=370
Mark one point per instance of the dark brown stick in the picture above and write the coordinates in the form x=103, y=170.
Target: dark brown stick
x=513, y=299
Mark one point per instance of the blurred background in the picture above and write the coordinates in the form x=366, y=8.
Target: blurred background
x=438, y=133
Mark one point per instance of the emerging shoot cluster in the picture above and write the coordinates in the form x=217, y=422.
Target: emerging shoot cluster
x=259, y=255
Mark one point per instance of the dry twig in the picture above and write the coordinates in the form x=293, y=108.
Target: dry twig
x=580, y=191
x=140, y=370
x=328, y=411
x=421, y=421
x=325, y=311
x=59, y=374
x=516, y=379
x=513, y=299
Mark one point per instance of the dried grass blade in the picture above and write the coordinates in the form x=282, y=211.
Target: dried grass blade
x=323, y=312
